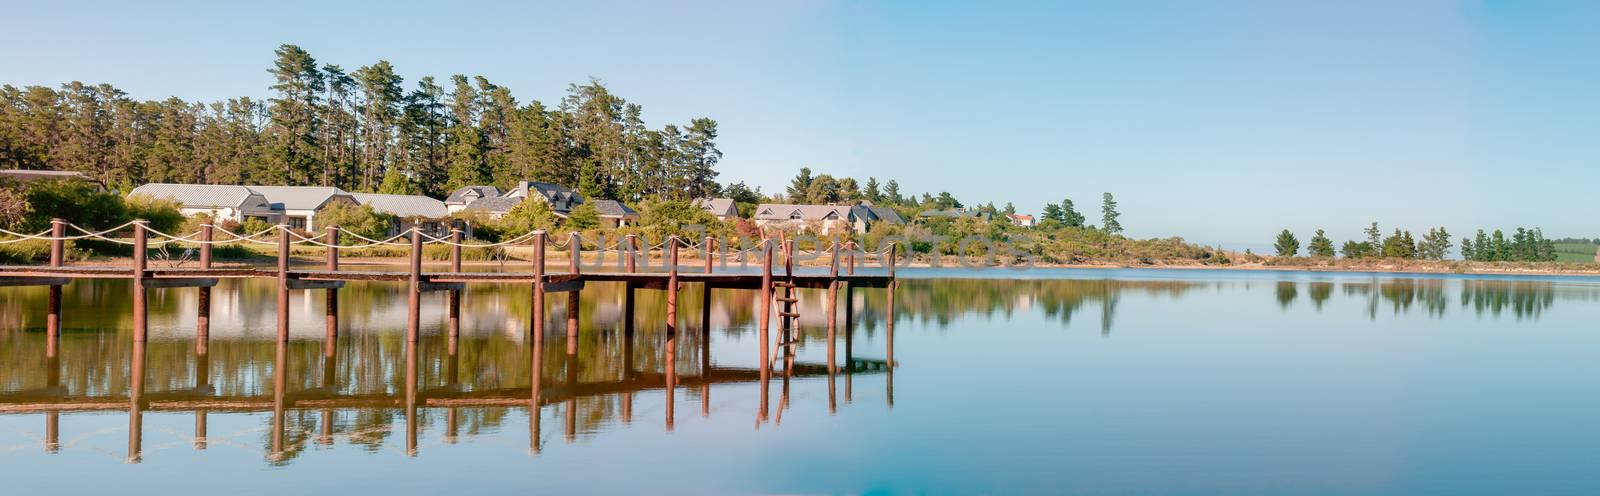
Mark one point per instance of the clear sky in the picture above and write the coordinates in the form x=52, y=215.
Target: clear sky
x=1218, y=121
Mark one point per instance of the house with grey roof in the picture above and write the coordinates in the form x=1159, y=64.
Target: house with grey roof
x=493, y=207
x=297, y=206
x=561, y=198
x=410, y=211
x=723, y=208
x=823, y=219
x=614, y=214
x=220, y=202
x=460, y=198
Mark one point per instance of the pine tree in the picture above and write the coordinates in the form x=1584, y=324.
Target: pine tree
x=800, y=186
x=1070, y=216
x=1109, y=214
x=1320, y=246
x=1286, y=244
x=1053, y=213
x=871, y=191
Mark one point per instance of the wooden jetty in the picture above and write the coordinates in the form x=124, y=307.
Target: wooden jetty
x=776, y=287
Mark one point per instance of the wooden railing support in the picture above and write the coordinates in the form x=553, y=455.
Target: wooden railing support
x=141, y=246
x=414, y=293
x=283, y=282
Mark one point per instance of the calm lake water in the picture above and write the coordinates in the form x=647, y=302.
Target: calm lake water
x=1047, y=381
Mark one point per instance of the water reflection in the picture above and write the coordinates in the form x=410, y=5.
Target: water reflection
x=477, y=370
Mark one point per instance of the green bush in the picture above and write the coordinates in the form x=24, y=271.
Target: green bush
x=359, y=219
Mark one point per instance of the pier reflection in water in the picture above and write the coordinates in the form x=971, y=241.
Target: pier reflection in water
x=1007, y=379
x=361, y=381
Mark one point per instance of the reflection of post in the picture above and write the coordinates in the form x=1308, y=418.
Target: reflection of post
x=451, y=371
x=411, y=396
x=536, y=376
x=833, y=368
x=414, y=293
x=671, y=365
x=280, y=372
x=627, y=366
x=705, y=373
x=283, y=282
x=330, y=307
x=849, y=358
x=52, y=319
x=140, y=251
x=330, y=368
x=202, y=385
x=889, y=334
x=52, y=418
x=571, y=426
x=136, y=402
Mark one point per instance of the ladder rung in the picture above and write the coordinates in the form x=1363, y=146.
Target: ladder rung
x=788, y=314
x=786, y=298
x=783, y=284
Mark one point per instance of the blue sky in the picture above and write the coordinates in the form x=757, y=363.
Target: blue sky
x=1221, y=122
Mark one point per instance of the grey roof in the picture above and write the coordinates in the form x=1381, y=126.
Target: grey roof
x=950, y=213
x=202, y=195
x=613, y=208
x=884, y=214
x=718, y=206
x=561, y=198
x=299, y=197
x=494, y=205
x=466, y=194
x=405, y=206
x=786, y=211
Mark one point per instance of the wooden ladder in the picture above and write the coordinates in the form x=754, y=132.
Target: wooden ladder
x=788, y=311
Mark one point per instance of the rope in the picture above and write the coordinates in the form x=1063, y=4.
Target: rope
x=23, y=237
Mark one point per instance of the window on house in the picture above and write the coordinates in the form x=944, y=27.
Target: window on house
x=296, y=222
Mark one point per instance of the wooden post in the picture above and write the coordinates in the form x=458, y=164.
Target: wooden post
x=851, y=256
x=538, y=286
x=630, y=253
x=788, y=258
x=202, y=331
x=330, y=304
x=672, y=286
x=283, y=282
x=706, y=248
x=414, y=294
x=891, y=264
x=140, y=252
x=833, y=261
x=705, y=292
x=455, y=295
x=574, y=250
x=58, y=253
x=766, y=302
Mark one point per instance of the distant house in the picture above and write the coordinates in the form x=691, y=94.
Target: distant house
x=411, y=210
x=297, y=206
x=614, y=214
x=824, y=219
x=1021, y=220
x=221, y=202
x=723, y=208
x=24, y=176
x=561, y=198
x=460, y=198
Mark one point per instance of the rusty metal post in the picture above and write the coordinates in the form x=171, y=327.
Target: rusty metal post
x=788, y=258
x=455, y=249
x=574, y=250
x=206, y=235
x=141, y=247
x=891, y=262
x=538, y=286
x=672, y=286
x=706, y=247
x=283, y=282
x=414, y=293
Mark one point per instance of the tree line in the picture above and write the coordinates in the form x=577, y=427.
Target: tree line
x=360, y=130
x=1526, y=245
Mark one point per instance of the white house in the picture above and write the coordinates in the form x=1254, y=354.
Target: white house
x=824, y=219
x=460, y=198
x=221, y=202
x=412, y=210
x=297, y=206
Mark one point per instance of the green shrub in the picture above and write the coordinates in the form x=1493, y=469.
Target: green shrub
x=359, y=219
